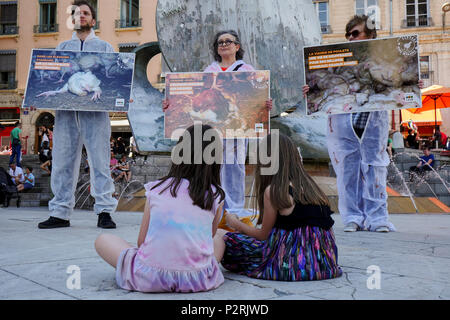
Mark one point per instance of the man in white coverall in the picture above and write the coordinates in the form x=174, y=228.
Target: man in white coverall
x=75, y=128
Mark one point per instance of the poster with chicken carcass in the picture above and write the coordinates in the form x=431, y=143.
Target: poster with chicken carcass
x=234, y=103
x=79, y=80
x=366, y=75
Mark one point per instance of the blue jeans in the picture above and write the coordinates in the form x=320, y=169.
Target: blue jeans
x=16, y=152
x=72, y=130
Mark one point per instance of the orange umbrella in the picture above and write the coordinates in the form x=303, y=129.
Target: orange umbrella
x=433, y=98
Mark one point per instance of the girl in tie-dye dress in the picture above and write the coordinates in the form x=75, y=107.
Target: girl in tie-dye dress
x=296, y=240
x=175, y=251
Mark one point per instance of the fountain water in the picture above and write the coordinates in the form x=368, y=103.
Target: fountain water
x=406, y=186
x=411, y=188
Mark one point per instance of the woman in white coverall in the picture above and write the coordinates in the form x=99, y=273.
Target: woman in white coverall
x=228, y=54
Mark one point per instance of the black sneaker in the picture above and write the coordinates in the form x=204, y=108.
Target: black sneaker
x=53, y=222
x=105, y=221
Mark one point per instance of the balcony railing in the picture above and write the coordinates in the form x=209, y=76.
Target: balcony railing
x=7, y=29
x=127, y=23
x=412, y=22
x=325, y=28
x=8, y=85
x=45, y=28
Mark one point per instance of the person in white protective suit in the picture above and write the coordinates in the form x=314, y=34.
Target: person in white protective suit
x=72, y=130
x=357, y=149
x=228, y=53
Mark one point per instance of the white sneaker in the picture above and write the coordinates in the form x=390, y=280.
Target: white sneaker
x=351, y=227
x=382, y=229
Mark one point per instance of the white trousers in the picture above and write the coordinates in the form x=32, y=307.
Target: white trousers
x=72, y=130
x=361, y=169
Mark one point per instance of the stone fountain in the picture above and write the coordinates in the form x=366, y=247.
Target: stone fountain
x=273, y=33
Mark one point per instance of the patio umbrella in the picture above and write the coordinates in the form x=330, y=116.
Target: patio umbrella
x=433, y=98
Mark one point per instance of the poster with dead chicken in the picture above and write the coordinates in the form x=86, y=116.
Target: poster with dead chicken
x=367, y=75
x=79, y=80
x=234, y=103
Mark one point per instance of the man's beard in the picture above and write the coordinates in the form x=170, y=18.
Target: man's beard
x=83, y=28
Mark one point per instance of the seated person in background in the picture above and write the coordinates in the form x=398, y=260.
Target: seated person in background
x=113, y=165
x=439, y=139
x=443, y=142
x=47, y=166
x=447, y=144
x=121, y=146
x=426, y=162
x=45, y=152
x=5, y=151
x=28, y=182
x=124, y=168
x=16, y=174
x=411, y=140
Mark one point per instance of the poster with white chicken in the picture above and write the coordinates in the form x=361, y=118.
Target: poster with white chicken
x=234, y=103
x=366, y=75
x=79, y=80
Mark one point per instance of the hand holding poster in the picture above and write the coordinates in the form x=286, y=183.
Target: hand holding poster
x=232, y=102
x=82, y=81
x=361, y=76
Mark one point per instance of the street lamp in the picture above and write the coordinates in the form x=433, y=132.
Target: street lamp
x=445, y=9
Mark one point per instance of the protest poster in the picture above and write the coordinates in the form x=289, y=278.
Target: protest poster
x=232, y=102
x=79, y=80
x=366, y=75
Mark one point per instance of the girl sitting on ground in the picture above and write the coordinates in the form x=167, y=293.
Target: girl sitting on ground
x=175, y=249
x=296, y=240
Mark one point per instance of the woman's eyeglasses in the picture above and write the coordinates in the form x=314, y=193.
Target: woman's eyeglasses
x=354, y=34
x=224, y=43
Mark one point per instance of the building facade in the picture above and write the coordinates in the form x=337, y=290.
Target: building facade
x=33, y=24
x=426, y=18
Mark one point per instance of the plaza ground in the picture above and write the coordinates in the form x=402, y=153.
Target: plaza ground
x=414, y=262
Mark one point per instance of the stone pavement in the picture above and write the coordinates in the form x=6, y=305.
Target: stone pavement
x=414, y=262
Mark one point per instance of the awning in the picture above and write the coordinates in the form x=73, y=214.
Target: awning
x=425, y=118
x=120, y=123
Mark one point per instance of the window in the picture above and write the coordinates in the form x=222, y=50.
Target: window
x=425, y=67
x=417, y=13
x=322, y=12
x=369, y=8
x=47, y=17
x=129, y=16
x=10, y=114
x=8, y=69
x=8, y=18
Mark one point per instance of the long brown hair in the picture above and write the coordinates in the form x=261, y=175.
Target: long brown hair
x=290, y=172
x=201, y=177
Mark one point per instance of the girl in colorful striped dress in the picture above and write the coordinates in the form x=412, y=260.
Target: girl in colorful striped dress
x=295, y=241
